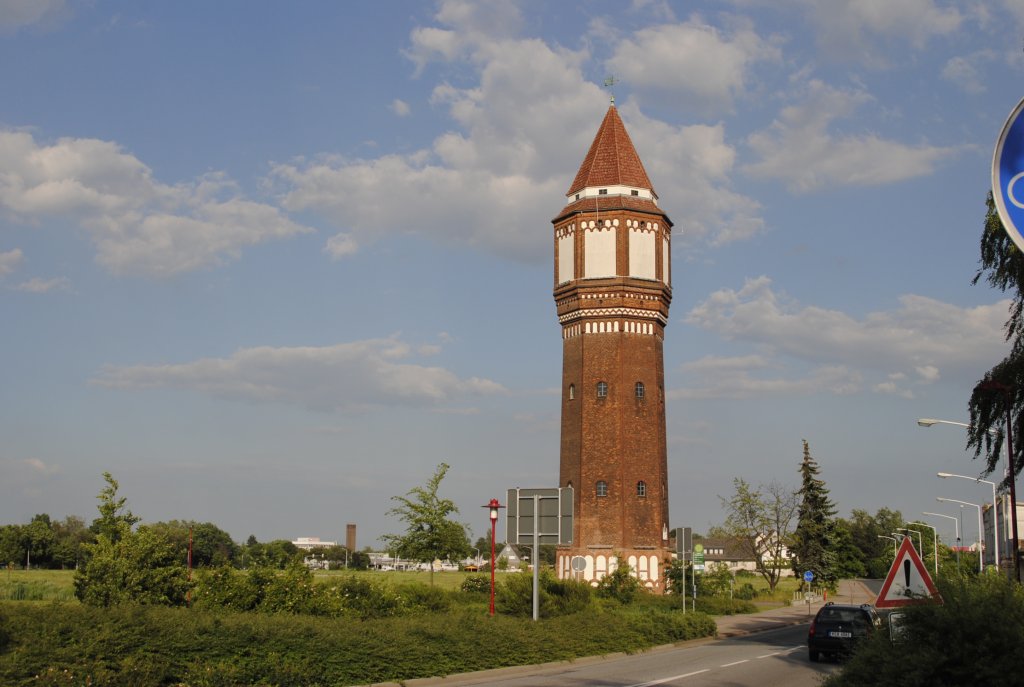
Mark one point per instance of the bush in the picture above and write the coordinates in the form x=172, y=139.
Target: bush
x=619, y=585
x=476, y=584
x=556, y=597
x=972, y=638
x=745, y=592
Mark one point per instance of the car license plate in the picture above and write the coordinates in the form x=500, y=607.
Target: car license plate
x=843, y=635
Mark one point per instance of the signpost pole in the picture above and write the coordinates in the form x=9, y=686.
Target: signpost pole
x=536, y=556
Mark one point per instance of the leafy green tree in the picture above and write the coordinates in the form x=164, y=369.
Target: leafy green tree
x=620, y=585
x=39, y=540
x=115, y=519
x=760, y=521
x=138, y=567
x=12, y=545
x=814, y=539
x=211, y=546
x=874, y=553
x=430, y=533
x=70, y=534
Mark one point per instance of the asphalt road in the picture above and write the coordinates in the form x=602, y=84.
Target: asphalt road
x=773, y=657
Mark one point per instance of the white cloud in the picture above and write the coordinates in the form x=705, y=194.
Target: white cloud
x=799, y=148
x=963, y=71
x=38, y=285
x=139, y=225
x=36, y=465
x=341, y=245
x=852, y=28
x=16, y=14
x=498, y=176
x=349, y=376
x=745, y=377
x=400, y=108
x=700, y=65
x=9, y=261
x=922, y=335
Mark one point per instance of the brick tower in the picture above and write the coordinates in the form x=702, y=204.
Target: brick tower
x=612, y=293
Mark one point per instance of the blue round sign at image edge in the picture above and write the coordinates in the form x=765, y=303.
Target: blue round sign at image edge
x=1008, y=173
x=808, y=576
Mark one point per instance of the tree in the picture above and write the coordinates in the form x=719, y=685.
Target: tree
x=138, y=567
x=115, y=518
x=211, y=546
x=39, y=540
x=429, y=534
x=814, y=539
x=874, y=553
x=70, y=534
x=125, y=566
x=1001, y=389
x=760, y=520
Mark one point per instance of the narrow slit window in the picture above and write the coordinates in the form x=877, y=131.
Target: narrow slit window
x=641, y=489
x=639, y=389
x=602, y=488
x=572, y=391
x=602, y=389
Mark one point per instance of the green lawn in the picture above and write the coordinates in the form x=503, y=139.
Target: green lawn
x=37, y=585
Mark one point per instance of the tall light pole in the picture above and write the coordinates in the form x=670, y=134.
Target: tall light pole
x=895, y=543
x=995, y=510
x=956, y=523
x=981, y=534
x=920, y=543
x=493, y=507
x=1011, y=471
x=935, y=544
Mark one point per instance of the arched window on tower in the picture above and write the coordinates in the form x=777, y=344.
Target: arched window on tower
x=641, y=489
x=639, y=388
x=572, y=391
x=602, y=389
x=602, y=488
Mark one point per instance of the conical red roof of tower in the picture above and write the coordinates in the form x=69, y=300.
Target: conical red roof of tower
x=612, y=159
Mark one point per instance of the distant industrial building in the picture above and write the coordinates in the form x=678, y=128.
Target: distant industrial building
x=310, y=543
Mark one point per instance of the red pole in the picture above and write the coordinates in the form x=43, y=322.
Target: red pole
x=494, y=522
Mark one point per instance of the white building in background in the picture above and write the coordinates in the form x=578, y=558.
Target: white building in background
x=310, y=543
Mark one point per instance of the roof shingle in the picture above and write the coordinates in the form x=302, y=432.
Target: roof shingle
x=612, y=160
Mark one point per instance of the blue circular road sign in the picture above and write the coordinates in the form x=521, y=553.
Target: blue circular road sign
x=808, y=576
x=1008, y=175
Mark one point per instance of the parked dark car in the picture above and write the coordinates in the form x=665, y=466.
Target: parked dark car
x=837, y=628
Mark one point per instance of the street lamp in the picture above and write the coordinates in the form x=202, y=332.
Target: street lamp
x=920, y=543
x=493, y=507
x=1010, y=470
x=956, y=523
x=980, y=533
x=935, y=544
x=895, y=541
x=995, y=513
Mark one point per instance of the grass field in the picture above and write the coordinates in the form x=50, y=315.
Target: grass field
x=51, y=585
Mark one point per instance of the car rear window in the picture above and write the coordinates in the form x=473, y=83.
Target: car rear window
x=843, y=615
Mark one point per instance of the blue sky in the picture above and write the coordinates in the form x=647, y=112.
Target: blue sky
x=270, y=263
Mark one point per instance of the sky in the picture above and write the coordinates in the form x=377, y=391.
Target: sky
x=269, y=264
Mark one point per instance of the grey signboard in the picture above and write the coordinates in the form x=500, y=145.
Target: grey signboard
x=553, y=516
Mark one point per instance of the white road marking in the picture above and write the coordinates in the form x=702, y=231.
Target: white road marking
x=774, y=653
x=734, y=663
x=670, y=679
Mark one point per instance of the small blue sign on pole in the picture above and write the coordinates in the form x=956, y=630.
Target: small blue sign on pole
x=808, y=576
x=1008, y=175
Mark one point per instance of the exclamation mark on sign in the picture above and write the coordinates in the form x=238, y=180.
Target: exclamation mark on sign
x=906, y=572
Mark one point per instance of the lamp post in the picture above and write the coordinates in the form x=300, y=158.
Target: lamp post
x=981, y=534
x=935, y=544
x=920, y=543
x=895, y=542
x=995, y=513
x=956, y=523
x=493, y=507
x=1011, y=471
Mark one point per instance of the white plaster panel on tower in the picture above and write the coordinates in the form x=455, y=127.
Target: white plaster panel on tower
x=599, y=256
x=642, y=258
x=665, y=261
x=566, y=258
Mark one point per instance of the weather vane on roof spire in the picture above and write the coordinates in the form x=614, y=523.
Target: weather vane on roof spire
x=609, y=82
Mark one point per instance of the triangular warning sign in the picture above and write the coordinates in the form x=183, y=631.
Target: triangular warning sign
x=908, y=581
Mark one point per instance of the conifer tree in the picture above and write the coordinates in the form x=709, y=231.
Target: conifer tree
x=814, y=538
